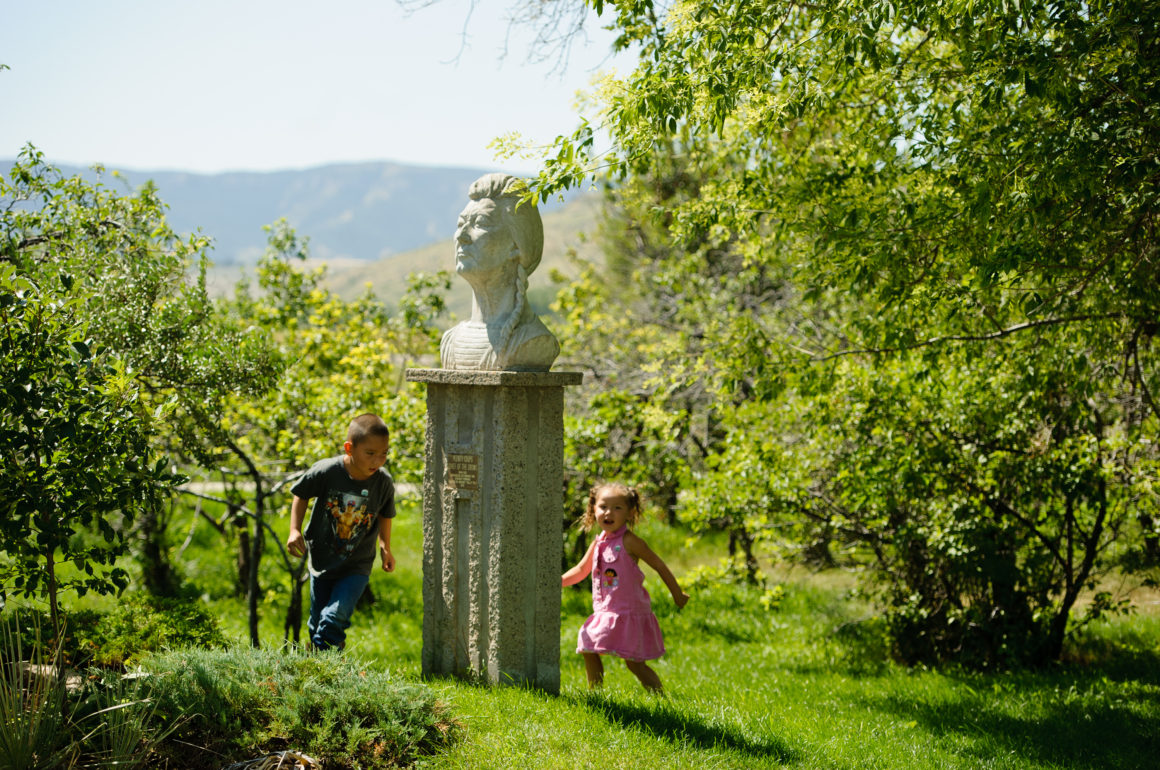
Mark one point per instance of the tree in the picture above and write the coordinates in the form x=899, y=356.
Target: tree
x=956, y=205
x=984, y=173
x=645, y=328
x=104, y=273
x=984, y=506
x=74, y=453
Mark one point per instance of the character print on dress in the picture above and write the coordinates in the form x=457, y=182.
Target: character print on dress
x=349, y=518
x=609, y=555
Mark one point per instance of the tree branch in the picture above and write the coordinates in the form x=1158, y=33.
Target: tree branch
x=241, y=508
x=970, y=337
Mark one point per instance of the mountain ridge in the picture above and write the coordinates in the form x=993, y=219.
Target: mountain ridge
x=371, y=222
x=359, y=210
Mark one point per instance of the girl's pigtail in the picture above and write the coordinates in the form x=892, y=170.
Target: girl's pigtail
x=634, y=503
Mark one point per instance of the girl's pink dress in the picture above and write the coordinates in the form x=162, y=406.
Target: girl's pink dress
x=622, y=621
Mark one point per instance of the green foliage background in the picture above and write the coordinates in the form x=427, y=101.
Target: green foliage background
x=880, y=292
x=882, y=289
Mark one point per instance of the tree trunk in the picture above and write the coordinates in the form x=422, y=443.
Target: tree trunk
x=156, y=571
x=50, y=585
x=1151, y=540
x=1014, y=624
x=739, y=536
x=243, y=579
x=292, y=629
x=666, y=498
x=252, y=587
x=1091, y=546
x=817, y=555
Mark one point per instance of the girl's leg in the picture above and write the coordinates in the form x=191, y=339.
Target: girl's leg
x=594, y=667
x=646, y=675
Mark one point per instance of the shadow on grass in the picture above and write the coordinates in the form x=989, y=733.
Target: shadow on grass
x=726, y=632
x=1063, y=718
x=1130, y=659
x=664, y=721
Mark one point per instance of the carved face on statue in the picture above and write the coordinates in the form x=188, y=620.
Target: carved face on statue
x=499, y=240
x=483, y=241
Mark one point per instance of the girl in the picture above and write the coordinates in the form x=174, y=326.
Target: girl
x=622, y=622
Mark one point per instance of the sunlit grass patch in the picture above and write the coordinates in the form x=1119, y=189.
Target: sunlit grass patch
x=793, y=673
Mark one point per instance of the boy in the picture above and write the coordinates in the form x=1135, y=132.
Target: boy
x=354, y=502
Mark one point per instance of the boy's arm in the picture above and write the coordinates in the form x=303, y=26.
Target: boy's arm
x=296, y=544
x=385, y=544
x=639, y=548
x=581, y=570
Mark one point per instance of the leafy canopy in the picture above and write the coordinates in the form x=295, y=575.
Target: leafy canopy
x=109, y=342
x=906, y=257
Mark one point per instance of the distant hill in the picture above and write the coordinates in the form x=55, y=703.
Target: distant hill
x=353, y=211
x=373, y=222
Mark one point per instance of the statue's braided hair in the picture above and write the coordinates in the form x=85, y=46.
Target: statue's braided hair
x=522, y=220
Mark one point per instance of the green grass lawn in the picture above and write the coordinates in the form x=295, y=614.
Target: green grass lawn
x=803, y=684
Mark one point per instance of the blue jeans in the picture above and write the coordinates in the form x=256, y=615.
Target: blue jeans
x=332, y=602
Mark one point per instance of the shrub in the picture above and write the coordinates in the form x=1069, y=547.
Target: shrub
x=118, y=637
x=241, y=702
x=142, y=624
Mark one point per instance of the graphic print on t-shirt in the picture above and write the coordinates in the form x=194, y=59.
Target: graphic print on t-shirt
x=349, y=519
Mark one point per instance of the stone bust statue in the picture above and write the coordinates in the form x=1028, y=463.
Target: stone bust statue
x=498, y=243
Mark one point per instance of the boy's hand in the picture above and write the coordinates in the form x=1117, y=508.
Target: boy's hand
x=388, y=558
x=296, y=544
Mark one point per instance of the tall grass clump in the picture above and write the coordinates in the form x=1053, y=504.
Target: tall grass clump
x=242, y=702
x=34, y=714
x=51, y=717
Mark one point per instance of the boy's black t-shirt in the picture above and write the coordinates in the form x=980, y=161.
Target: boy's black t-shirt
x=344, y=522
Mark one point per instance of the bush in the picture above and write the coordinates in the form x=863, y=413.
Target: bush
x=118, y=637
x=143, y=624
x=243, y=702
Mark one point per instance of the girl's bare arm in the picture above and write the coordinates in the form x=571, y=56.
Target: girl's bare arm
x=639, y=549
x=581, y=570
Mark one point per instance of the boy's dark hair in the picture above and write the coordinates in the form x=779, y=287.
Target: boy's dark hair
x=366, y=425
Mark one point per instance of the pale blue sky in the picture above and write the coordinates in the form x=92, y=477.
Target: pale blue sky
x=220, y=85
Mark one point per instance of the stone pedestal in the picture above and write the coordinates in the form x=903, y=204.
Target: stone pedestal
x=492, y=524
